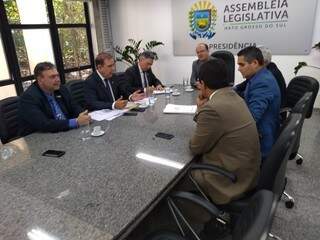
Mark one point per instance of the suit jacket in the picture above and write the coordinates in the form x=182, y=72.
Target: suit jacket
x=272, y=67
x=97, y=96
x=133, y=78
x=227, y=137
x=262, y=96
x=35, y=113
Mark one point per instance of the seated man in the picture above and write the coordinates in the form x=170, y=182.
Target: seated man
x=202, y=51
x=225, y=135
x=272, y=67
x=140, y=75
x=262, y=96
x=46, y=106
x=104, y=90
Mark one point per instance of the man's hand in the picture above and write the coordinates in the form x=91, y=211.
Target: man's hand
x=201, y=100
x=159, y=87
x=137, y=95
x=83, y=118
x=197, y=85
x=120, y=104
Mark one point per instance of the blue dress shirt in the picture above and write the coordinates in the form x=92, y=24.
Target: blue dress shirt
x=57, y=112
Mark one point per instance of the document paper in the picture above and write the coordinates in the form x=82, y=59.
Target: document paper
x=107, y=114
x=183, y=109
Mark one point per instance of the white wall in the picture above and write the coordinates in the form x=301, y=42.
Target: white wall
x=151, y=20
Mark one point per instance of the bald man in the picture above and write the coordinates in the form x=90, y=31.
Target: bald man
x=202, y=51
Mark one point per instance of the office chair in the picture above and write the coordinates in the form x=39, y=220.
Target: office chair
x=9, y=125
x=272, y=179
x=76, y=89
x=254, y=221
x=296, y=89
x=272, y=173
x=301, y=107
x=228, y=58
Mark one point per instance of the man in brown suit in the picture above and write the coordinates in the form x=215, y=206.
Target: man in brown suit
x=226, y=136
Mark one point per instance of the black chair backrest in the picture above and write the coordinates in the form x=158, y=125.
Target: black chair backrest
x=301, y=107
x=9, y=119
x=297, y=87
x=228, y=58
x=272, y=175
x=76, y=89
x=255, y=220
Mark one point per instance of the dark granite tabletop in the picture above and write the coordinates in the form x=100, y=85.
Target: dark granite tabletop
x=101, y=186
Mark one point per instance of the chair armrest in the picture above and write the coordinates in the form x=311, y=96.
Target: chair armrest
x=200, y=201
x=215, y=169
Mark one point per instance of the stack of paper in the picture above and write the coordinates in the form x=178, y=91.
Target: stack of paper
x=184, y=109
x=161, y=91
x=106, y=114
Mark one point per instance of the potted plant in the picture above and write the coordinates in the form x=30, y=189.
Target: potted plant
x=130, y=53
x=304, y=64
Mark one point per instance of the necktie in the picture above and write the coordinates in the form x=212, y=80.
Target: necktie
x=57, y=112
x=145, y=79
x=108, y=85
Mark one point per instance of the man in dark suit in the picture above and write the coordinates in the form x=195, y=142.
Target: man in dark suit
x=46, y=106
x=105, y=90
x=203, y=55
x=140, y=75
x=273, y=68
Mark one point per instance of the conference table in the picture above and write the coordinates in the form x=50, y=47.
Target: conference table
x=103, y=187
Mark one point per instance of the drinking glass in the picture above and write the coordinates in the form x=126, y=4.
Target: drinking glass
x=5, y=151
x=185, y=82
x=167, y=92
x=85, y=133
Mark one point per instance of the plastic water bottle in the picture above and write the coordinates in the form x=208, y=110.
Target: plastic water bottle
x=5, y=152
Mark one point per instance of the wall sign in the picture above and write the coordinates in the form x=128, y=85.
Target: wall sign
x=284, y=26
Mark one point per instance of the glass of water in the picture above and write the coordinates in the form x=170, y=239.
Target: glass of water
x=5, y=152
x=167, y=92
x=185, y=82
x=85, y=133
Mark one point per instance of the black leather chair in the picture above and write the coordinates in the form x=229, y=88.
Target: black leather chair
x=301, y=107
x=76, y=89
x=228, y=58
x=254, y=222
x=273, y=170
x=296, y=89
x=272, y=178
x=9, y=126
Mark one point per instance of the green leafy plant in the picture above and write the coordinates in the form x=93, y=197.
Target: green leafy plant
x=130, y=53
x=304, y=64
